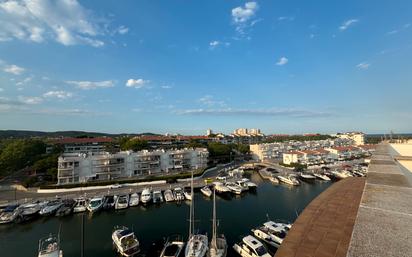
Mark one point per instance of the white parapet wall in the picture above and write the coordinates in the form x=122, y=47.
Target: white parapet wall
x=404, y=150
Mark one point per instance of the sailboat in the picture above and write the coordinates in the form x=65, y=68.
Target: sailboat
x=197, y=245
x=218, y=244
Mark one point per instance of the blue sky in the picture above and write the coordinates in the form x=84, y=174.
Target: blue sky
x=185, y=66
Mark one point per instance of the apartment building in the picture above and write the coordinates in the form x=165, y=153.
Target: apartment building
x=86, y=167
x=358, y=138
x=81, y=145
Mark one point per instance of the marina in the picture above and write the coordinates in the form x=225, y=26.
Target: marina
x=154, y=223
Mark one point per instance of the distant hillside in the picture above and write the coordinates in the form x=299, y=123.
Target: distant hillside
x=29, y=133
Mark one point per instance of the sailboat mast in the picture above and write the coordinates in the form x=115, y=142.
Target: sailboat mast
x=192, y=210
x=214, y=228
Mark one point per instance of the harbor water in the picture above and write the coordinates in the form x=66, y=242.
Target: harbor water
x=236, y=214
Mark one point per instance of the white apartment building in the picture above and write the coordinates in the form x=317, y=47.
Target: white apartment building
x=247, y=132
x=309, y=157
x=81, y=168
x=358, y=138
x=262, y=152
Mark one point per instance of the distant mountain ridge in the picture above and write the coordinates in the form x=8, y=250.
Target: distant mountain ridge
x=70, y=133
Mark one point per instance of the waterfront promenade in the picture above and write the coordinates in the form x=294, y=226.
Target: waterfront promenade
x=358, y=217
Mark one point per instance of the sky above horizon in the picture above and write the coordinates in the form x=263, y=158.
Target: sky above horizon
x=185, y=66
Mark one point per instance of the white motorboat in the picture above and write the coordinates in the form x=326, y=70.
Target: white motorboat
x=125, y=241
x=273, y=179
x=179, y=194
x=307, y=177
x=197, y=244
x=234, y=188
x=341, y=174
x=50, y=247
x=134, y=199
x=249, y=183
x=221, y=188
x=271, y=237
x=122, y=202
x=321, y=176
x=146, y=196
x=66, y=208
x=157, y=196
x=289, y=179
x=80, y=205
x=206, y=191
x=95, y=204
x=51, y=208
x=169, y=196
x=251, y=247
x=276, y=226
x=9, y=214
x=28, y=212
x=173, y=247
x=188, y=194
x=218, y=244
x=242, y=185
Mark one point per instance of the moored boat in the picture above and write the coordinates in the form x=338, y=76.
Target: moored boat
x=66, y=208
x=95, y=204
x=307, y=177
x=218, y=243
x=321, y=176
x=289, y=179
x=168, y=195
x=125, y=241
x=221, y=188
x=234, y=188
x=80, y=205
x=134, y=199
x=251, y=247
x=51, y=208
x=146, y=196
x=122, y=202
x=50, y=247
x=188, y=194
x=249, y=183
x=157, y=196
x=206, y=191
x=9, y=214
x=173, y=247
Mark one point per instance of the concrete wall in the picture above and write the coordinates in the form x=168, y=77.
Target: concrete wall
x=403, y=149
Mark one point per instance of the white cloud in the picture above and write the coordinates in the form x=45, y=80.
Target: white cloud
x=241, y=16
x=346, y=24
x=166, y=87
x=122, y=30
x=66, y=22
x=363, y=66
x=58, y=94
x=14, y=69
x=216, y=43
x=136, y=83
x=86, y=85
x=30, y=99
x=282, y=61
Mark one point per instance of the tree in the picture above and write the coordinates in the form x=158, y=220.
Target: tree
x=134, y=144
x=17, y=154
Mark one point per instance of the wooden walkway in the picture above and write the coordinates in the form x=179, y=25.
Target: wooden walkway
x=324, y=228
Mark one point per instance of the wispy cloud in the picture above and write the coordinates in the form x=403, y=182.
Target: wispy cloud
x=348, y=23
x=87, y=85
x=122, y=30
x=398, y=30
x=282, y=61
x=254, y=112
x=13, y=69
x=58, y=94
x=24, y=81
x=286, y=18
x=242, y=15
x=66, y=22
x=214, y=44
x=363, y=66
x=30, y=99
x=210, y=101
x=136, y=83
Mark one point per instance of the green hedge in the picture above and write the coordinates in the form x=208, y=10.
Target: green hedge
x=168, y=178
